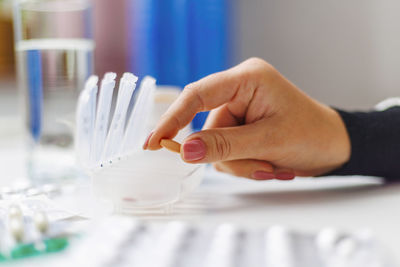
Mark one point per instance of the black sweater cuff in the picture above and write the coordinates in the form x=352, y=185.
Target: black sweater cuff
x=375, y=143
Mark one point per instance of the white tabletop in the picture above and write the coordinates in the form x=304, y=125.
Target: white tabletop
x=306, y=204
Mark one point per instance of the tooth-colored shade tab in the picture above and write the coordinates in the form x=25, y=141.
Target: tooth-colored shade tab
x=112, y=145
x=130, y=77
x=136, y=126
x=171, y=145
x=102, y=115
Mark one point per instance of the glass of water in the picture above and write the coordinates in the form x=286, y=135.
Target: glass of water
x=54, y=51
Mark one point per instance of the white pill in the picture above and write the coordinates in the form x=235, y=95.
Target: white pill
x=41, y=221
x=16, y=227
x=14, y=211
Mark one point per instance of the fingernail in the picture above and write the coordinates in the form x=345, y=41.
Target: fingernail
x=194, y=150
x=285, y=176
x=146, y=143
x=262, y=175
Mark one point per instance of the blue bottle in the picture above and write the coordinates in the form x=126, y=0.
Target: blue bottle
x=180, y=41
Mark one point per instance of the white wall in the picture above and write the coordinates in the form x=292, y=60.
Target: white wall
x=344, y=53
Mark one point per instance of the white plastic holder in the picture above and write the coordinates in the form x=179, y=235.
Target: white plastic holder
x=146, y=181
x=138, y=181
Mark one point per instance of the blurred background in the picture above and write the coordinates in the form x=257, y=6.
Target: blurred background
x=6, y=45
x=342, y=53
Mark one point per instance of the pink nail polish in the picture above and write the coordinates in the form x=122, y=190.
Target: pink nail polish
x=194, y=150
x=146, y=143
x=261, y=175
x=285, y=176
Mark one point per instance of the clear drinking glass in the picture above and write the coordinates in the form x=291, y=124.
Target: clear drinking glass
x=54, y=51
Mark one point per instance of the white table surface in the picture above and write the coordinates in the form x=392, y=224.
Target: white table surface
x=306, y=204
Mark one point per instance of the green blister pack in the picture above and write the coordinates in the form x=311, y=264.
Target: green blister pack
x=21, y=251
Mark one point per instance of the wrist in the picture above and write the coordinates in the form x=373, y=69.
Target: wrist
x=342, y=141
x=335, y=150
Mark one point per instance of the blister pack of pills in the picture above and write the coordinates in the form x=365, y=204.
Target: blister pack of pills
x=27, y=234
x=124, y=241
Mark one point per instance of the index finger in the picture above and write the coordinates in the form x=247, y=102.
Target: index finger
x=203, y=95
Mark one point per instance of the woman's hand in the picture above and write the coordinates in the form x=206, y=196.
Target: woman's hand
x=261, y=126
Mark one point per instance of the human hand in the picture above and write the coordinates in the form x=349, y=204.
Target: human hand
x=261, y=126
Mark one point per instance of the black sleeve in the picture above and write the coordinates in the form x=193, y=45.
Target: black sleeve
x=375, y=143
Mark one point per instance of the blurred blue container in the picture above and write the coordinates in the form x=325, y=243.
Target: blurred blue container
x=181, y=41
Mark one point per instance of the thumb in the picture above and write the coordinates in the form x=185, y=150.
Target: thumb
x=222, y=144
